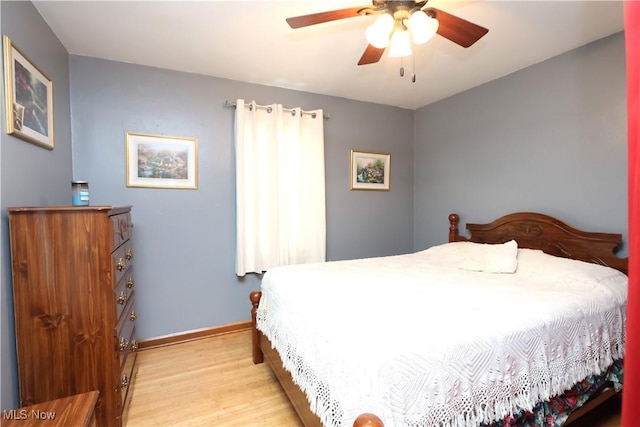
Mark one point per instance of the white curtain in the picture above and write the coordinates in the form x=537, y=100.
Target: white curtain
x=280, y=187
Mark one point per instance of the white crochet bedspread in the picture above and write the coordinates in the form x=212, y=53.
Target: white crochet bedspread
x=420, y=342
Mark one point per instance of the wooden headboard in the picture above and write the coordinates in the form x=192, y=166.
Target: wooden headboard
x=539, y=231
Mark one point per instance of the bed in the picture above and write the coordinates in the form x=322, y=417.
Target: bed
x=455, y=364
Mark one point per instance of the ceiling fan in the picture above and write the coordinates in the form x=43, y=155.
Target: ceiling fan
x=397, y=19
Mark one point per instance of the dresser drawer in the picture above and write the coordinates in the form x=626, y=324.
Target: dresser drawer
x=122, y=260
x=125, y=330
x=123, y=291
x=121, y=228
x=127, y=392
x=128, y=372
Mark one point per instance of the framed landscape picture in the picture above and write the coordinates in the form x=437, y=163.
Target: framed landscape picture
x=370, y=170
x=160, y=161
x=28, y=98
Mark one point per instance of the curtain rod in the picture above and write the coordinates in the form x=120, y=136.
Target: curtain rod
x=230, y=104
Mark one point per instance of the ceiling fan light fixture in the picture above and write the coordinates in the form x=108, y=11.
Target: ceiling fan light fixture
x=377, y=34
x=422, y=26
x=400, y=44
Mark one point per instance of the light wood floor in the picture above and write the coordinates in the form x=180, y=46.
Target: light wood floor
x=208, y=382
x=213, y=382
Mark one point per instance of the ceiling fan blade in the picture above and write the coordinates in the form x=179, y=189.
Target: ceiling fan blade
x=456, y=29
x=319, y=18
x=371, y=55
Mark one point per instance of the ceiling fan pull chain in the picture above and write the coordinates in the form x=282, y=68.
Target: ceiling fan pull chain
x=413, y=77
x=401, y=68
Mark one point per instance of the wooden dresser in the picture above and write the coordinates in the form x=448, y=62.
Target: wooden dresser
x=74, y=304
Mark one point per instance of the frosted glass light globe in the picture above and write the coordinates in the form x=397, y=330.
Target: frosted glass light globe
x=377, y=34
x=422, y=26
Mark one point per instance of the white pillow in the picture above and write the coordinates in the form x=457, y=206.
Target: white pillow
x=491, y=258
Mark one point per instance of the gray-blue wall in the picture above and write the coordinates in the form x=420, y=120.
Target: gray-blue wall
x=31, y=175
x=550, y=138
x=185, y=239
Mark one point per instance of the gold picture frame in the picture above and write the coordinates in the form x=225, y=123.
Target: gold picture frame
x=28, y=98
x=370, y=170
x=161, y=161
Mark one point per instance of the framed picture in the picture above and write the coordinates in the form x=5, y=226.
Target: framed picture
x=28, y=97
x=370, y=170
x=160, y=161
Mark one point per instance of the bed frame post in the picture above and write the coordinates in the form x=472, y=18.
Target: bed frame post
x=368, y=420
x=454, y=219
x=258, y=357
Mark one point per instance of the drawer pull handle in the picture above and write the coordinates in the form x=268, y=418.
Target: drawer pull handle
x=123, y=344
x=134, y=345
x=133, y=316
x=125, y=381
x=129, y=255
x=122, y=299
x=130, y=283
x=120, y=265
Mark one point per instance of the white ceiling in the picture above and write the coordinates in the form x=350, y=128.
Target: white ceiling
x=250, y=41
